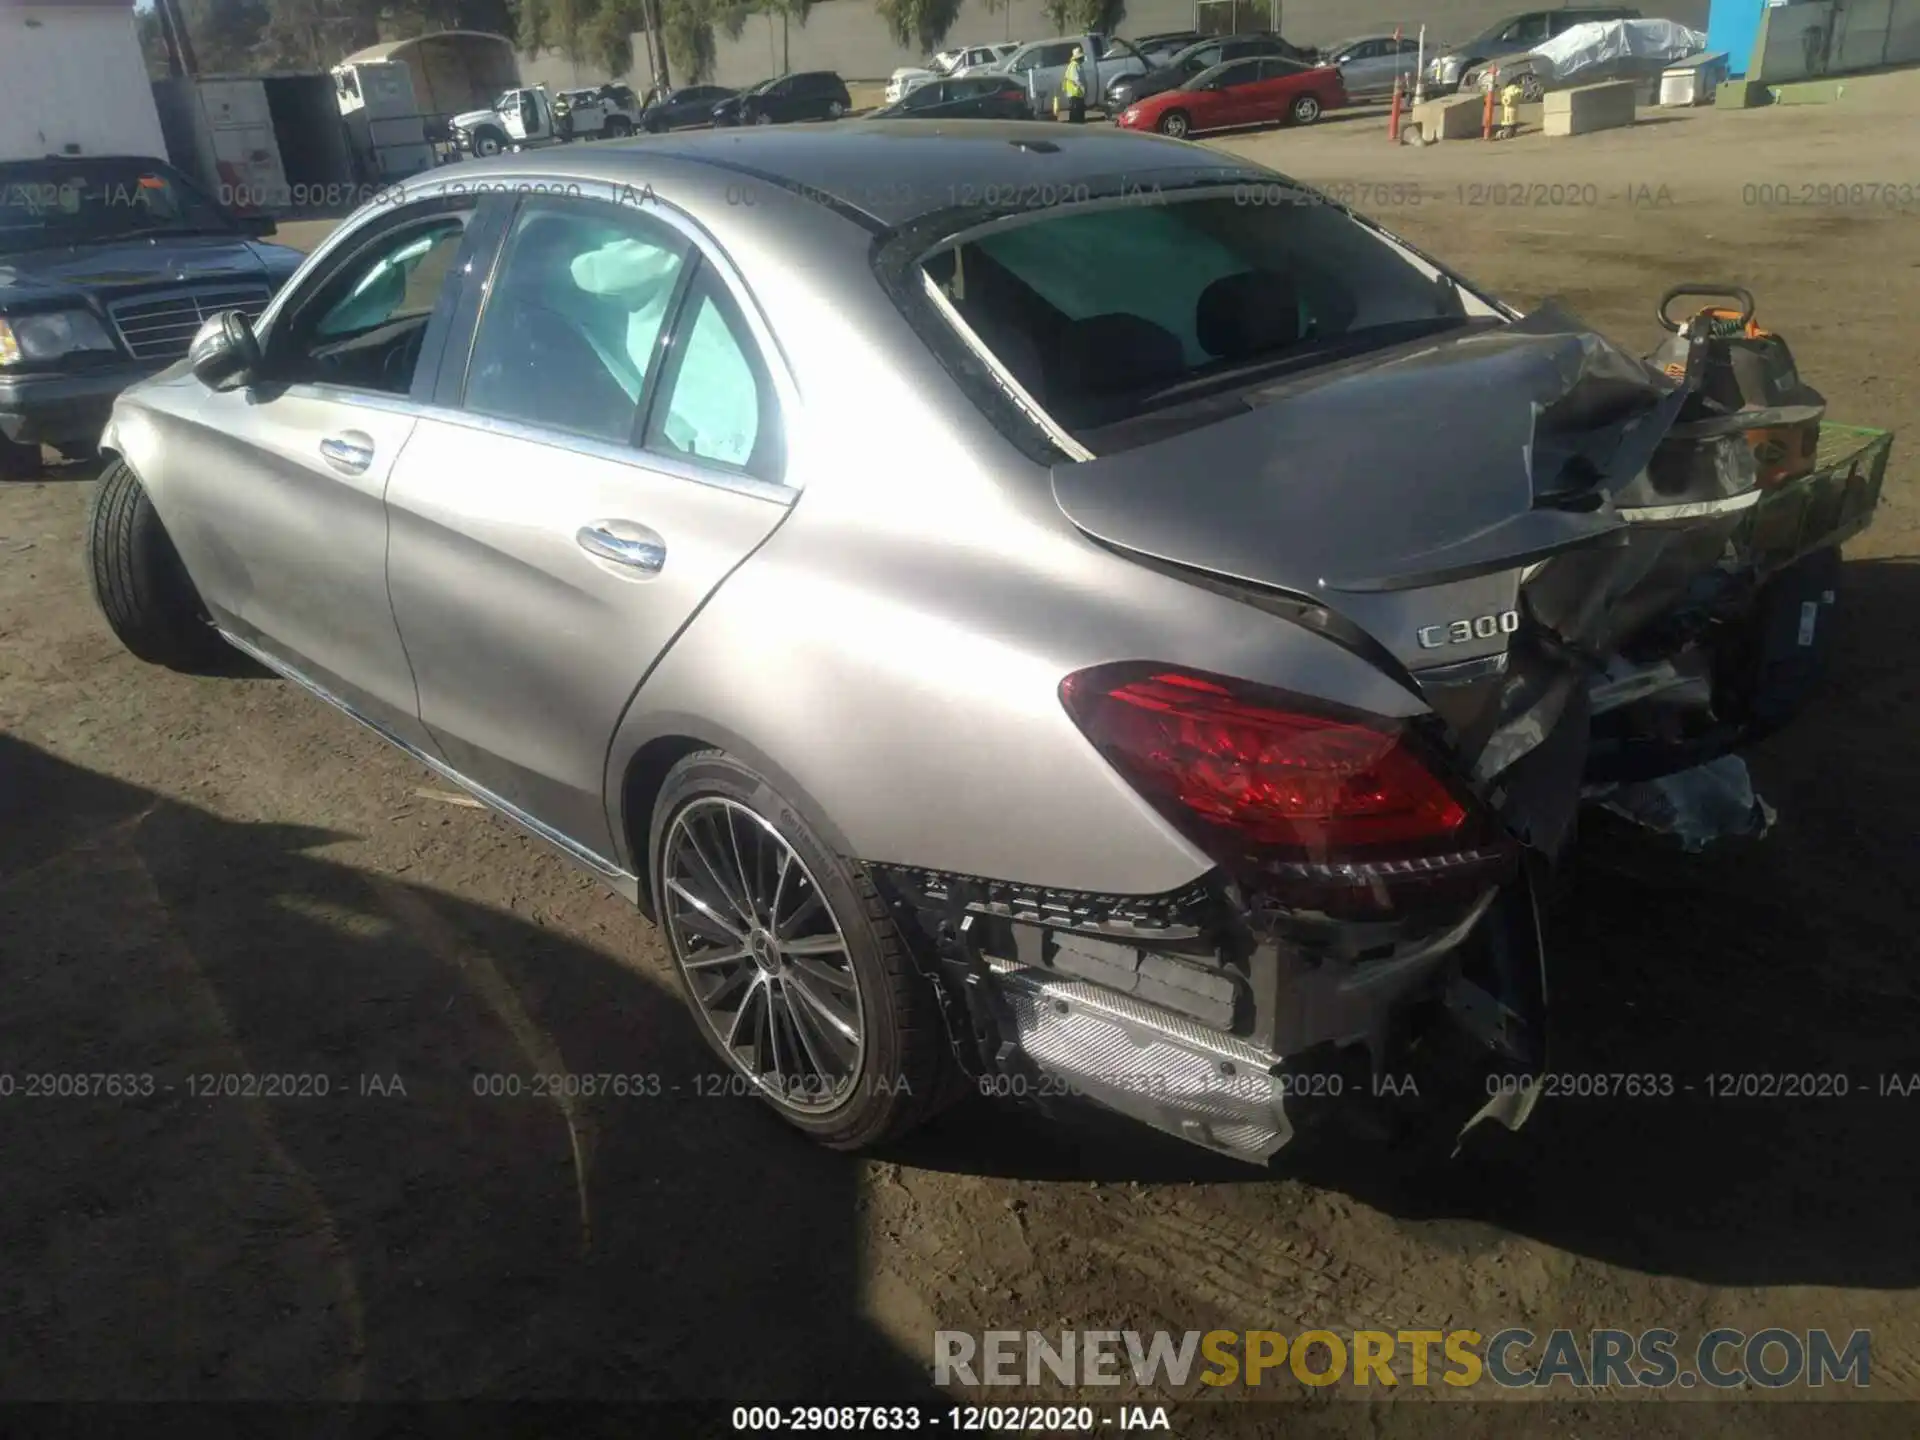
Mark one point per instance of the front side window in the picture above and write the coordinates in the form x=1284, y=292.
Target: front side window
x=568, y=337
x=1099, y=311
x=716, y=405
x=364, y=326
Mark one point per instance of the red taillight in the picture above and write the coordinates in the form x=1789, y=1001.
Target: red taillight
x=1267, y=774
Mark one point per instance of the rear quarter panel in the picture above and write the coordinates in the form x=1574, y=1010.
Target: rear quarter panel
x=891, y=658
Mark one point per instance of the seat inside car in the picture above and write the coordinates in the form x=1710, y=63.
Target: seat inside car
x=1253, y=313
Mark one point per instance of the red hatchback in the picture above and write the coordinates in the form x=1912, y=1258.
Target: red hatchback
x=1256, y=91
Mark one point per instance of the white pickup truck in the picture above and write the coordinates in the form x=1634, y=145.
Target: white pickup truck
x=605, y=112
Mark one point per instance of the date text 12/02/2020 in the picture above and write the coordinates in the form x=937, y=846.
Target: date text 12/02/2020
x=956, y=1419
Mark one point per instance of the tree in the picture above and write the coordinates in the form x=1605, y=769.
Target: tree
x=920, y=22
x=1075, y=17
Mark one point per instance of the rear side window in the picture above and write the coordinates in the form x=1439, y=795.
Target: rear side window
x=1241, y=72
x=1098, y=310
x=569, y=335
x=716, y=405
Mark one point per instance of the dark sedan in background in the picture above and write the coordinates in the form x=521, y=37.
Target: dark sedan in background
x=1162, y=46
x=108, y=265
x=808, y=95
x=971, y=97
x=684, y=109
x=1185, y=64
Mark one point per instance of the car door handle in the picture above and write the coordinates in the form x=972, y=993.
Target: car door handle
x=624, y=543
x=352, y=452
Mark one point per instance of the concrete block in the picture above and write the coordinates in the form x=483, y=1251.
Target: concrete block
x=1588, y=108
x=1453, y=117
x=1742, y=95
x=1808, y=92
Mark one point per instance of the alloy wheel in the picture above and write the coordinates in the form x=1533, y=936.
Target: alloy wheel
x=1306, y=110
x=1174, y=125
x=763, y=955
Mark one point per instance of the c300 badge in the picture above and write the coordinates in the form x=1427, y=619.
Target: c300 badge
x=1463, y=632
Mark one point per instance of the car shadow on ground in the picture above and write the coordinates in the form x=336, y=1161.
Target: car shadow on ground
x=1745, y=974
x=313, y=1178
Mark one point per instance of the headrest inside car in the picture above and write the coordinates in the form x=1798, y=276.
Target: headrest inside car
x=1113, y=354
x=1252, y=313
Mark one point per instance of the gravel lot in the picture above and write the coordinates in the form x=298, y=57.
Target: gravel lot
x=209, y=877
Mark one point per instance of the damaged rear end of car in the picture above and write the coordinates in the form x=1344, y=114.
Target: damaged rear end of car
x=1573, y=559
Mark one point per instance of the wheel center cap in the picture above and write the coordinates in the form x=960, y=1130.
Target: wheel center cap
x=765, y=953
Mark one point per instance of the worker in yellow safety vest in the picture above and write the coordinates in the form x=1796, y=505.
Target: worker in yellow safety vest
x=1074, y=86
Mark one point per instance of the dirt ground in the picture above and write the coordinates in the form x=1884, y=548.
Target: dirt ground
x=214, y=877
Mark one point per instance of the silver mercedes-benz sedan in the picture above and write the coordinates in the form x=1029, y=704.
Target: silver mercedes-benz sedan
x=1050, y=611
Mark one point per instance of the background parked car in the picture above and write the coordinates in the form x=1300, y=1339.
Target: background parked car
x=1518, y=34
x=949, y=64
x=808, y=95
x=604, y=112
x=98, y=290
x=1263, y=90
x=1197, y=58
x=1586, y=54
x=1371, y=63
x=1040, y=65
x=970, y=97
x=692, y=106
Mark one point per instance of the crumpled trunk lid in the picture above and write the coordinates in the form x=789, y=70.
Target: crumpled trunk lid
x=1417, y=494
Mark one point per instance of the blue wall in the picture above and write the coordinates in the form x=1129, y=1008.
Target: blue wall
x=1732, y=27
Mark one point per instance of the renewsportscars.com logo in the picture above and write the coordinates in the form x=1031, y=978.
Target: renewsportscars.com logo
x=1513, y=1358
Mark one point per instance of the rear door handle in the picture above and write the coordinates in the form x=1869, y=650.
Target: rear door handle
x=351, y=452
x=624, y=543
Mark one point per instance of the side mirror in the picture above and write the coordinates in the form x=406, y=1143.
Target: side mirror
x=225, y=352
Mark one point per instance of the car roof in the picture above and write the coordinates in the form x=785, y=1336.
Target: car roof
x=891, y=177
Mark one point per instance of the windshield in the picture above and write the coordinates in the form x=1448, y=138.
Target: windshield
x=1104, y=312
x=76, y=202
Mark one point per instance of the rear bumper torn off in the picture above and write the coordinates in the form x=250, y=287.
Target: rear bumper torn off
x=1198, y=1017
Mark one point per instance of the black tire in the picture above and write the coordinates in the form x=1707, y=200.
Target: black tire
x=763, y=118
x=140, y=584
x=619, y=127
x=488, y=142
x=1306, y=110
x=907, y=1070
x=17, y=461
x=1174, y=123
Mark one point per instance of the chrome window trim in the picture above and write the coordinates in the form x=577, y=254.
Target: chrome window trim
x=617, y=452
x=1001, y=375
x=623, y=882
